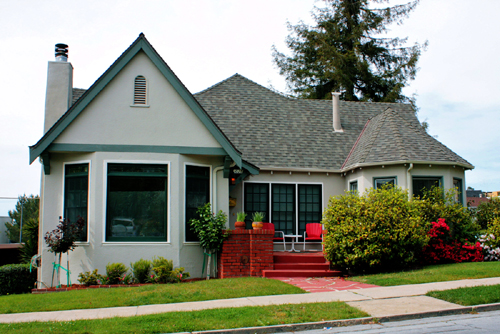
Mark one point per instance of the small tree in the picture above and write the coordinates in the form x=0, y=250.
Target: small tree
x=26, y=209
x=62, y=239
x=210, y=231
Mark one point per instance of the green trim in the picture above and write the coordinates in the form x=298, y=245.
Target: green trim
x=251, y=168
x=461, y=199
x=140, y=44
x=227, y=167
x=46, y=162
x=136, y=148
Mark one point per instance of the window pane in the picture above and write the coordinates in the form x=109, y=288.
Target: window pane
x=283, y=215
x=457, y=184
x=136, y=205
x=256, y=200
x=378, y=183
x=309, y=210
x=421, y=184
x=197, y=194
x=76, y=185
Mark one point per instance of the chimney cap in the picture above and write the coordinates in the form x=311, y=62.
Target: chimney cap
x=61, y=52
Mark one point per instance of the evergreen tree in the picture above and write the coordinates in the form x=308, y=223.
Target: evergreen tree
x=345, y=52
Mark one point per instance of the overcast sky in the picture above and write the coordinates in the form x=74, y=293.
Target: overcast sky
x=205, y=42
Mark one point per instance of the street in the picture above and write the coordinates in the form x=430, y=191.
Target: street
x=484, y=322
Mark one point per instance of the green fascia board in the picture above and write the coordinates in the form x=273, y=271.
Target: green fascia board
x=140, y=44
x=136, y=148
x=251, y=168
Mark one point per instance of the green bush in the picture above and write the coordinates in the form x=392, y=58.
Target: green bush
x=115, y=271
x=487, y=211
x=91, y=278
x=16, y=278
x=163, y=271
x=436, y=203
x=379, y=231
x=140, y=270
x=494, y=229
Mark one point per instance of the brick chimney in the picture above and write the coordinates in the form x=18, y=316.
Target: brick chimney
x=59, y=86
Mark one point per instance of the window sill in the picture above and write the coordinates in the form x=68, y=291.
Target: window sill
x=139, y=105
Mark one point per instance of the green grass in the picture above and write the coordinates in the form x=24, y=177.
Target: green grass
x=436, y=273
x=196, y=320
x=469, y=296
x=146, y=295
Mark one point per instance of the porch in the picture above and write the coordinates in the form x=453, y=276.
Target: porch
x=252, y=253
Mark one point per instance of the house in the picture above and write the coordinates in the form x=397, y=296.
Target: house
x=137, y=153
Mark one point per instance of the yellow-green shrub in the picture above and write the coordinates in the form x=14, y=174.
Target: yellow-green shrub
x=379, y=231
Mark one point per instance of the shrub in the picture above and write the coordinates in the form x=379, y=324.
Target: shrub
x=379, y=231
x=91, y=278
x=16, y=278
x=209, y=228
x=140, y=270
x=491, y=241
x=487, y=211
x=114, y=271
x=163, y=271
x=442, y=248
x=436, y=204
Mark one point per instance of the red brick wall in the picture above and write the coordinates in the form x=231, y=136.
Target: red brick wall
x=246, y=253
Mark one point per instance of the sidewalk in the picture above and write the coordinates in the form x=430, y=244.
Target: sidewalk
x=379, y=302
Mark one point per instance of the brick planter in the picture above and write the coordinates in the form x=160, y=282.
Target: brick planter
x=246, y=253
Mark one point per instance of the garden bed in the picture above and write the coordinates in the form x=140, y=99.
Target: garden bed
x=101, y=286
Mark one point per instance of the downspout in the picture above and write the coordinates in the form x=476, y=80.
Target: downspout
x=408, y=179
x=214, y=186
x=214, y=207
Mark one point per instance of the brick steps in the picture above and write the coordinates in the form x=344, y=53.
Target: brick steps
x=300, y=273
x=300, y=265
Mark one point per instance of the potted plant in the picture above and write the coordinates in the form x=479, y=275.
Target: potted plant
x=257, y=220
x=240, y=221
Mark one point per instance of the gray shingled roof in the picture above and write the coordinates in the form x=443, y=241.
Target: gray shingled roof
x=272, y=130
x=275, y=131
x=77, y=93
x=388, y=137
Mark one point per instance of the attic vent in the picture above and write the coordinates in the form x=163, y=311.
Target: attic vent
x=140, y=90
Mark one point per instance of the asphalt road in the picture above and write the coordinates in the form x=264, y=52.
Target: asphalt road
x=485, y=322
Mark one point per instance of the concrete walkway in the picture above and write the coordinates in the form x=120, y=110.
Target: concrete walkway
x=378, y=302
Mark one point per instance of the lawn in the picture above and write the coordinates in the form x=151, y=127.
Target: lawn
x=197, y=320
x=435, y=273
x=146, y=295
x=469, y=296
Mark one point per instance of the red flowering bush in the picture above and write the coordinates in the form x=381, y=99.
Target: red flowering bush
x=443, y=249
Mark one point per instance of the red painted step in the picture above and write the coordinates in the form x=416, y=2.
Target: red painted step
x=300, y=273
x=300, y=265
x=299, y=258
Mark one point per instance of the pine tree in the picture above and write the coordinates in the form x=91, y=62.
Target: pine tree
x=345, y=51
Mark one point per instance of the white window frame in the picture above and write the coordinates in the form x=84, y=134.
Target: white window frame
x=105, y=200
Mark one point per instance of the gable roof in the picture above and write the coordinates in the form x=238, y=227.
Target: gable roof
x=277, y=132
x=388, y=137
x=82, y=101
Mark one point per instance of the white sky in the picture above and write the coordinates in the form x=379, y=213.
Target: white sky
x=205, y=42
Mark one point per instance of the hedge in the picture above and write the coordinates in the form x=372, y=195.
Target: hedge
x=16, y=278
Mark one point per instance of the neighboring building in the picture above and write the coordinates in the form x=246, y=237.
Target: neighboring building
x=471, y=192
x=137, y=153
x=3, y=229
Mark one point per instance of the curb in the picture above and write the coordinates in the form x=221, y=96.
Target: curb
x=351, y=322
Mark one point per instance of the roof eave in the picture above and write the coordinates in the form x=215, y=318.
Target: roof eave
x=401, y=162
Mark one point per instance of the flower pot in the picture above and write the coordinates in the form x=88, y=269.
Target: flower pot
x=239, y=225
x=257, y=225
